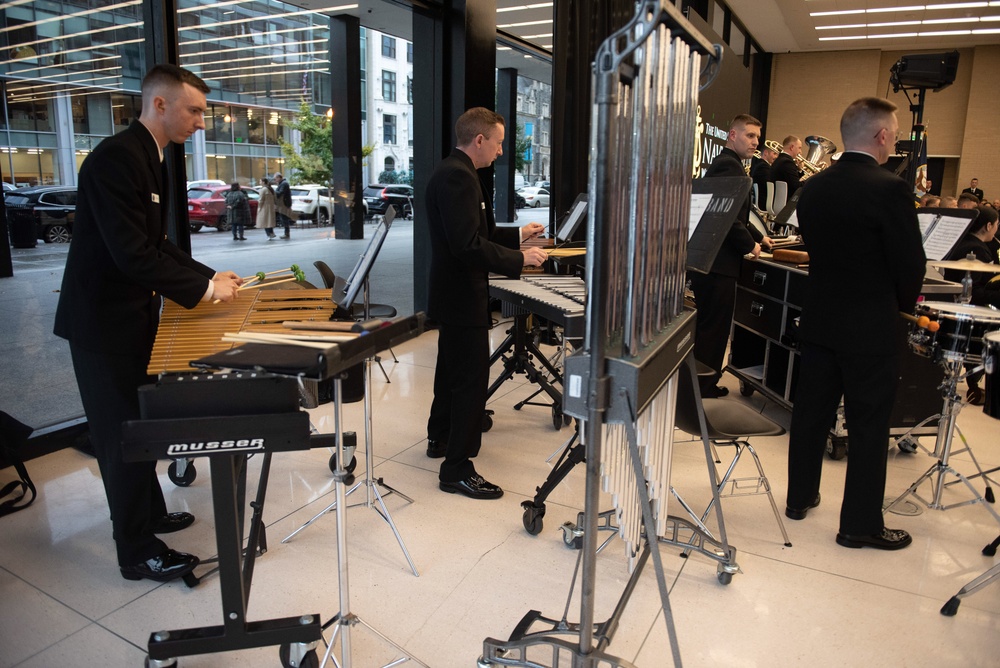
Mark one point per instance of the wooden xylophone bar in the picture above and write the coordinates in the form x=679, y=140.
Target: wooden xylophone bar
x=189, y=334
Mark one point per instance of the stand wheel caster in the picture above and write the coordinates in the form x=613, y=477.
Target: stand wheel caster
x=153, y=663
x=989, y=495
x=906, y=444
x=533, y=518
x=351, y=465
x=951, y=607
x=182, y=479
x=487, y=420
x=557, y=417
x=746, y=389
x=836, y=447
x=309, y=659
x=572, y=536
x=725, y=577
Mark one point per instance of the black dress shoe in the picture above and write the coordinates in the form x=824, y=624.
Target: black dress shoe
x=162, y=568
x=887, y=539
x=436, y=449
x=474, y=487
x=172, y=522
x=714, y=392
x=793, y=514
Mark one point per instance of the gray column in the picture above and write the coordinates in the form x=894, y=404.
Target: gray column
x=454, y=64
x=505, y=165
x=65, y=156
x=345, y=86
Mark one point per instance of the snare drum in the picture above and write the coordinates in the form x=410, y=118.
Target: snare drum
x=991, y=360
x=960, y=333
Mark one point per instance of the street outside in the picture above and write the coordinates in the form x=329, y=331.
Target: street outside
x=38, y=385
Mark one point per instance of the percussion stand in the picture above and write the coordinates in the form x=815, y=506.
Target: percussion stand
x=370, y=482
x=344, y=620
x=937, y=473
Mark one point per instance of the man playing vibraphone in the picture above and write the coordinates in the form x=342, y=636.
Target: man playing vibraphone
x=119, y=265
x=466, y=245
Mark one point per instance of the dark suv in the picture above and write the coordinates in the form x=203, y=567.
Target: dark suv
x=378, y=196
x=50, y=208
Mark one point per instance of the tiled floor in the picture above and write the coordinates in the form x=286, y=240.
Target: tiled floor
x=814, y=604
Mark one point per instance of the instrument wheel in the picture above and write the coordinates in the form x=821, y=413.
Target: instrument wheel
x=836, y=447
x=309, y=659
x=570, y=537
x=533, y=518
x=725, y=577
x=148, y=663
x=907, y=444
x=351, y=465
x=557, y=417
x=185, y=479
x=487, y=421
x=746, y=389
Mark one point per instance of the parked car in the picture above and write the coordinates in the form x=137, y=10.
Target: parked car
x=542, y=184
x=535, y=197
x=380, y=195
x=313, y=202
x=207, y=207
x=51, y=208
x=519, y=201
x=207, y=183
x=7, y=187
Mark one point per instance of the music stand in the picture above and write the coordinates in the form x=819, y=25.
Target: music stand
x=357, y=283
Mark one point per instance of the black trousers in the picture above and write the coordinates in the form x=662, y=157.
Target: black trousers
x=461, y=381
x=715, y=299
x=284, y=220
x=108, y=387
x=868, y=386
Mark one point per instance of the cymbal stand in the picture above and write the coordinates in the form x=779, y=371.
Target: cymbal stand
x=947, y=425
x=370, y=482
x=344, y=620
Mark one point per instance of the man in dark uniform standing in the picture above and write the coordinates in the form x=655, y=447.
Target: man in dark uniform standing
x=784, y=168
x=850, y=325
x=974, y=189
x=466, y=245
x=715, y=292
x=120, y=265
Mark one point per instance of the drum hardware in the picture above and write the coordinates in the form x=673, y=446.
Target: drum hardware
x=991, y=364
x=958, y=320
x=969, y=264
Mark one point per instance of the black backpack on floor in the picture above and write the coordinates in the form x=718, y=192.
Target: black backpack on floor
x=13, y=436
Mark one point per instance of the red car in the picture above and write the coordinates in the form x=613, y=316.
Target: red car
x=207, y=207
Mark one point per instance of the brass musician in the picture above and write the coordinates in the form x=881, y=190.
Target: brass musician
x=784, y=167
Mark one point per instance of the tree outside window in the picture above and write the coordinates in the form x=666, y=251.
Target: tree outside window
x=388, y=86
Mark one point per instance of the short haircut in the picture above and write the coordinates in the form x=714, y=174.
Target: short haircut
x=969, y=197
x=864, y=118
x=171, y=75
x=788, y=141
x=986, y=216
x=744, y=120
x=932, y=201
x=474, y=122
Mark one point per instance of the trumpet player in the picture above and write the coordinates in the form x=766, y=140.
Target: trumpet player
x=784, y=167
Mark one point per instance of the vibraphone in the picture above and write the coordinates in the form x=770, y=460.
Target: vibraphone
x=189, y=334
x=253, y=409
x=621, y=385
x=559, y=300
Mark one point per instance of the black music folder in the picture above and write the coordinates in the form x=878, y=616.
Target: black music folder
x=715, y=202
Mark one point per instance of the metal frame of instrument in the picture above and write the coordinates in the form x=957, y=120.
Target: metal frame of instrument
x=621, y=385
x=319, y=365
x=357, y=283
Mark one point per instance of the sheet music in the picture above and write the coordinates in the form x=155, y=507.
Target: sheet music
x=699, y=203
x=940, y=233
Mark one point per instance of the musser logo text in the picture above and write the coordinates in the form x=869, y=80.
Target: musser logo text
x=214, y=447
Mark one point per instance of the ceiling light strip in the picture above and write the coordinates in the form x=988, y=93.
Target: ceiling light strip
x=910, y=8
